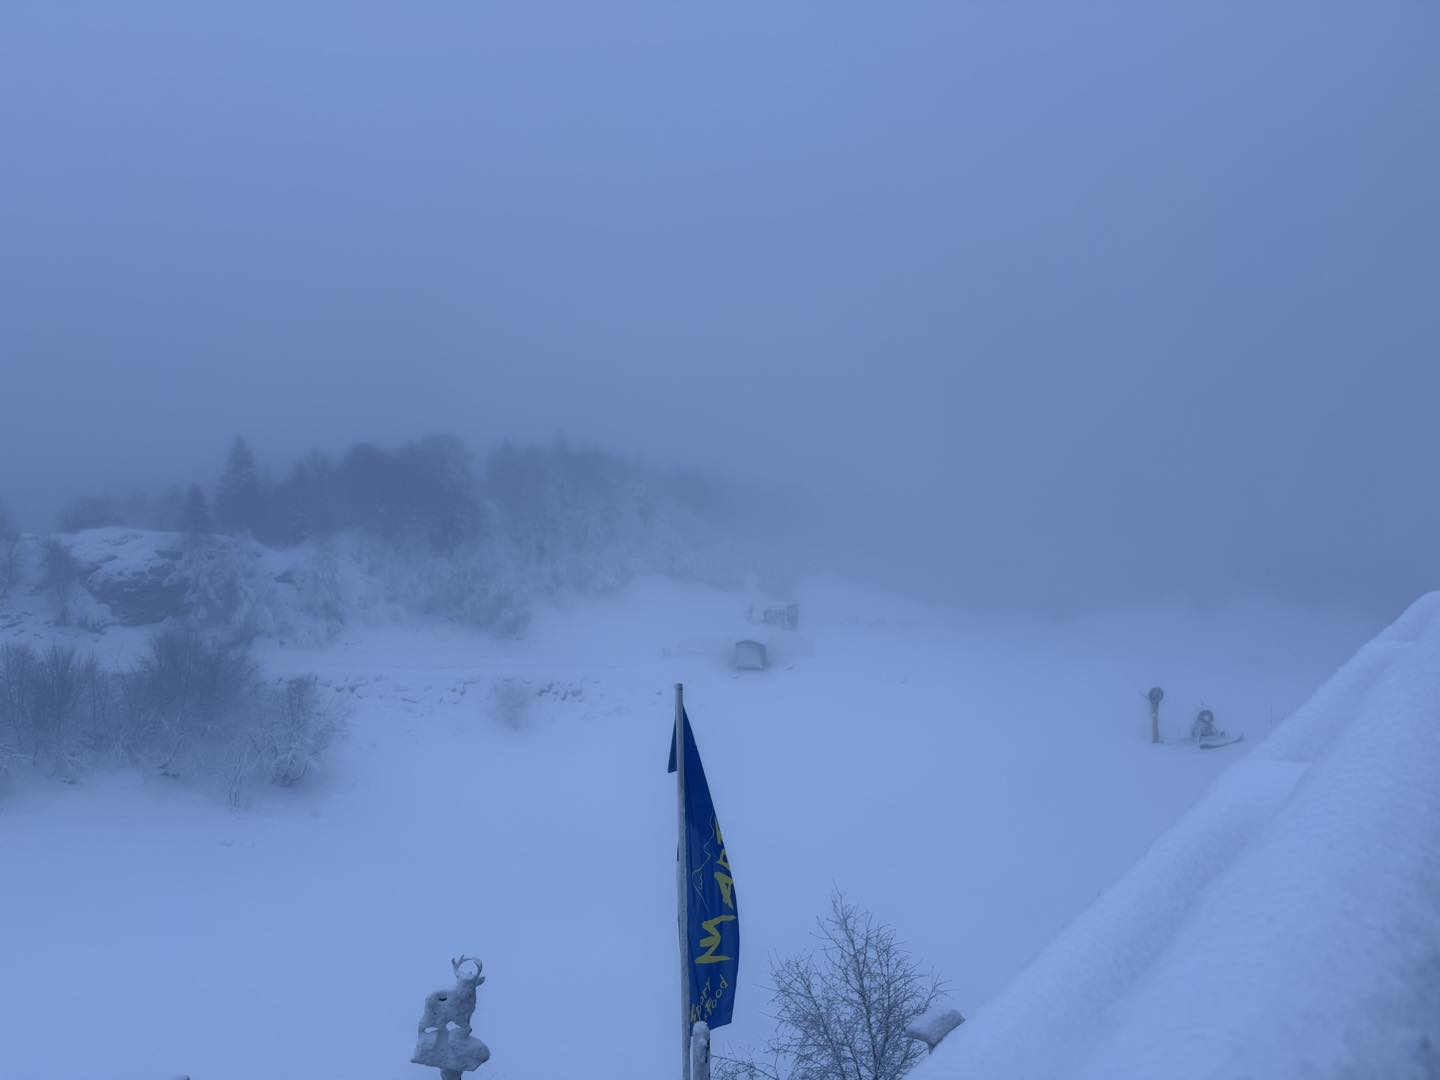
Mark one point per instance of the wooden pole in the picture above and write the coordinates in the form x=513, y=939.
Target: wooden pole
x=681, y=890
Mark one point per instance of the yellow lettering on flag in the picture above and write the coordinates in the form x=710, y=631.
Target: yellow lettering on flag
x=712, y=942
x=727, y=889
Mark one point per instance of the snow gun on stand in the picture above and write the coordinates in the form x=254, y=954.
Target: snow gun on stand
x=1204, y=732
x=1206, y=735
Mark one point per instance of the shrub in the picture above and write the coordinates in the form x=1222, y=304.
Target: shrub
x=51, y=704
x=185, y=695
x=189, y=708
x=293, y=730
x=9, y=553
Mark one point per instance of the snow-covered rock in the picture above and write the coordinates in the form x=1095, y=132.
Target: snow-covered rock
x=132, y=572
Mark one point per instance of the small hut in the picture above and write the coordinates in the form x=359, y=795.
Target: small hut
x=750, y=655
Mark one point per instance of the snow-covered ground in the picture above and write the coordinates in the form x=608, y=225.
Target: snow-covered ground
x=975, y=780
x=1287, y=926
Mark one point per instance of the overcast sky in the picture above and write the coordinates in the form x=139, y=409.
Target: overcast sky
x=1059, y=300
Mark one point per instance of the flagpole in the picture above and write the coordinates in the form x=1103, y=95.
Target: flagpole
x=681, y=892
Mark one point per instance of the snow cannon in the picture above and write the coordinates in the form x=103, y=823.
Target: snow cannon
x=1206, y=735
x=1155, y=696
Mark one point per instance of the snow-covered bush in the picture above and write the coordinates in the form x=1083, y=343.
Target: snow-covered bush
x=199, y=708
x=510, y=702
x=319, y=581
x=54, y=706
x=294, y=727
x=186, y=696
x=17, y=681
x=229, y=595
x=9, y=553
x=190, y=708
x=480, y=587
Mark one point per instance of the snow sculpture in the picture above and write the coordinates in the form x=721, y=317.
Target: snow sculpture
x=443, y=1040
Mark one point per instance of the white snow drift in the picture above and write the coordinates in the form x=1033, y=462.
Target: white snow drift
x=1287, y=926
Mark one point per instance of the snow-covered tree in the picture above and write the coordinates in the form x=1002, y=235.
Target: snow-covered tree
x=228, y=595
x=322, y=587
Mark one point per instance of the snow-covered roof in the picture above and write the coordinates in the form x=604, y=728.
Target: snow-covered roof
x=1288, y=925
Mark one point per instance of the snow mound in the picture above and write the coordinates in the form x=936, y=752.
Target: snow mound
x=1288, y=925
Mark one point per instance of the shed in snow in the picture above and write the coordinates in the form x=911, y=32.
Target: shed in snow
x=749, y=656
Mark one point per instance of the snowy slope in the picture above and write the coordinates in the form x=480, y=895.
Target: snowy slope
x=1287, y=926
x=974, y=780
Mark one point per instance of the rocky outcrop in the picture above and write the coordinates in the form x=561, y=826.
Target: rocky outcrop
x=131, y=572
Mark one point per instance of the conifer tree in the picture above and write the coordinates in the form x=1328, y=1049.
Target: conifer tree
x=195, y=514
x=239, y=505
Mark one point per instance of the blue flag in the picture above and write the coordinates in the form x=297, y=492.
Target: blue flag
x=713, y=935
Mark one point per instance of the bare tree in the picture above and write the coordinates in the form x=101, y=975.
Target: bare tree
x=58, y=691
x=9, y=552
x=47, y=703
x=187, y=694
x=19, y=678
x=841, y=1010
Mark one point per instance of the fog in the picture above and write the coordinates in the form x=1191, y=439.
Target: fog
x=1038, y=303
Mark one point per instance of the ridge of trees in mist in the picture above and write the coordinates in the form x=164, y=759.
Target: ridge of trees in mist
x=417, y=526
x=425, y=490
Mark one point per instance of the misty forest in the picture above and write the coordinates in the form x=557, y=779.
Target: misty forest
x=990, y=449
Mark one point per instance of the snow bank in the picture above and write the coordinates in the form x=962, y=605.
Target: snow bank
x=1288, y=925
